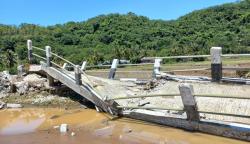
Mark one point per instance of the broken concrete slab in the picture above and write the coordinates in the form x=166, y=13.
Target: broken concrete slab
x=11, y=105
x=63, y=128
x=35, y=80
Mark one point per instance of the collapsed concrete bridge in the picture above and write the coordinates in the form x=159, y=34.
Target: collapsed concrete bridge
x=176, y=107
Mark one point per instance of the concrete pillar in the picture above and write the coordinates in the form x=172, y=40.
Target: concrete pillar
x=84, y=64
x=50, y=80
x=156, y=69
x=188, y=100
x=48, y=55
x=216, y=63
x=20, y=70
x=78, y=77
x=113, y=69
x=30, y=56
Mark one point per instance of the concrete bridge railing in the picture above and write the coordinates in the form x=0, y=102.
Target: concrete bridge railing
x=216, y=68
x=73, y=81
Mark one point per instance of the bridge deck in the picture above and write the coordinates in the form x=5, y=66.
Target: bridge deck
x=98, y=89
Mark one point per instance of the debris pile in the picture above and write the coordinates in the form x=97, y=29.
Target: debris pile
x=5, y=84
x=12, y=83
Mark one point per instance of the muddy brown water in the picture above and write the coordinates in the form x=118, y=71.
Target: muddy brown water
x=36, y=126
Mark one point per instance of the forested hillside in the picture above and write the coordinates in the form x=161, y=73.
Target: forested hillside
x=132, y=37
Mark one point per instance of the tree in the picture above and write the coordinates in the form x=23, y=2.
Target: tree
x=8, y=53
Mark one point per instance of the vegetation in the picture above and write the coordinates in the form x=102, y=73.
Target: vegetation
x=133, y=37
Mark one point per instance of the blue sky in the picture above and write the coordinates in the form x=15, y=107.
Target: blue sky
x=50, y=12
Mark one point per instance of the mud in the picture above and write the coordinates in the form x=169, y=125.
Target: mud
x=36, y=125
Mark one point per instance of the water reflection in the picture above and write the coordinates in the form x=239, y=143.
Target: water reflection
x=21, y=126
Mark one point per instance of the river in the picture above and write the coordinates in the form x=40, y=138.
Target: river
x=38, y=126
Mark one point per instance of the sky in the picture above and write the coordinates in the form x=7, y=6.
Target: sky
x=51, y=12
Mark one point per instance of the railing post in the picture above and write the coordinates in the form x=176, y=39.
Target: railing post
x=156, y=69
x=216, y=64
x=48, y=59
x=84, y=64
x=78, y=77
x=64, y=66
x=20, y=70
x=188, y=100
x=30, y=56
x=113, y=69
x=48, y=55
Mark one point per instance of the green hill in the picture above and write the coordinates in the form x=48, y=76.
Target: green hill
x=132, y=37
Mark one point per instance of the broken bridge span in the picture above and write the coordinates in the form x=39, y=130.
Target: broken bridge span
x=118, y=99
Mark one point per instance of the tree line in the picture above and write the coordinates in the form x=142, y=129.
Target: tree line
x=132, y=37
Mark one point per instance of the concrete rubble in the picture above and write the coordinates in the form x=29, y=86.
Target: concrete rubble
x=63, y=128
x=22, y=87
x=32, y=89
x=2, y=104
x=73, y=133
x=12, y=83
x=42, y=99
x=4, y=83
x=10, y=105
x=26, y=85
x=35, y=81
